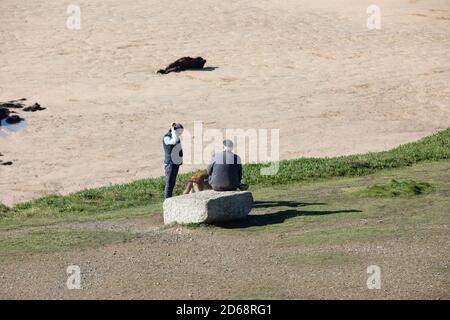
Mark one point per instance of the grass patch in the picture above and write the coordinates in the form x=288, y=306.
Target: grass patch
x=396, y=188
x=4, y=210
x=322, y=259
x=321, y=212
x=95, y=203
x=49, y=241
x=435, y=147
x=135, y=194
x=35, y=217
x=197, y=225
x=343, y=235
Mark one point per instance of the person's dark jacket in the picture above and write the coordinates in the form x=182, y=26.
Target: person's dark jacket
x=225, y=171
x=173, y=153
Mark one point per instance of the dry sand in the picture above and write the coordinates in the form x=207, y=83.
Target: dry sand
x=310, y=68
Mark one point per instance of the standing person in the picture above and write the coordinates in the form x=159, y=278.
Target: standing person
x=225, y=170
x=173, y=157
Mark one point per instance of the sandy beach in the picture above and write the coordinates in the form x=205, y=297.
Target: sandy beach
x=309, y=68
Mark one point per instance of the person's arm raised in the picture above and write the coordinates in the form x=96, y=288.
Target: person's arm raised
x=172, y=140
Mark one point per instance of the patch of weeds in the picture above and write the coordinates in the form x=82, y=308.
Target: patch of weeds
x=396, y=188
x=342, y=236
x=323, y=259
x=194, y=225
x=52, y=240
x=4, y=210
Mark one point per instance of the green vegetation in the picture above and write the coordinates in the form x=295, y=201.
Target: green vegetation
x=322, y=259
x=432, y=148
x=52, y=240
x=135, y=194
x=396, y=189
x=321, y=214
x=145, y=196
x=324, y=212
x=344, y=235
x=3, y=210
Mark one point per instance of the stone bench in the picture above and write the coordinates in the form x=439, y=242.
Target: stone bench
x=207, y=207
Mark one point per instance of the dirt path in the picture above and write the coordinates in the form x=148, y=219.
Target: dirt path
x=213, y=263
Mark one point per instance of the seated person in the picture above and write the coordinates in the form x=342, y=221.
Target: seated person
x=225, y=170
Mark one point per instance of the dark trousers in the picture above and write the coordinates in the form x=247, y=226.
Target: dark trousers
x=171, y=171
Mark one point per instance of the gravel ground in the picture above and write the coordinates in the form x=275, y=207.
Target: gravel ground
x=183, y=263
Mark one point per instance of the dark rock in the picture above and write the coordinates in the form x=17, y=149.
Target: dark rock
x=4, y=113
x=185, y=63
x=11, y=105
x=35, y=107
x=23, y=99
x=8, y=163
x=14, y=119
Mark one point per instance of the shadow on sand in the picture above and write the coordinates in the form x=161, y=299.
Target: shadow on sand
x=205, y=69
x=277, y=217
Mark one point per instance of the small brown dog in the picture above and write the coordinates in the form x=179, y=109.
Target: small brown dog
x=197, y=183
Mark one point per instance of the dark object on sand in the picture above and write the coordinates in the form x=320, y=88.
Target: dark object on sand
x=4, y=113
x=35, y=107
x=14, y=119
x=7, y=163
x=6, y=110
x=13, y=104
x=185, y=63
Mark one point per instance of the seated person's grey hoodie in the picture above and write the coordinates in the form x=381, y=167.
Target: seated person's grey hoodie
x=225, y=171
